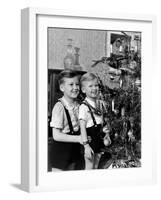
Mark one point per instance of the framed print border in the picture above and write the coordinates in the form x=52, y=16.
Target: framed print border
x=30, y=137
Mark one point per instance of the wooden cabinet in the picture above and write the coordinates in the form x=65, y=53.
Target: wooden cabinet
x=53, y=93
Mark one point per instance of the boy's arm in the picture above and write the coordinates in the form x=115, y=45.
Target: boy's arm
x=88, y=150
x=83, y=130
x=62, y=137
x=83, y=110
x=57, y=126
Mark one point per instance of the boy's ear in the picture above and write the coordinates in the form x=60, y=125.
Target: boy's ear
x=83, y=89
x=61, y=88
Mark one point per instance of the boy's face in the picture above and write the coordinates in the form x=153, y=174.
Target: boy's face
x=70, y=87
x=91, y=88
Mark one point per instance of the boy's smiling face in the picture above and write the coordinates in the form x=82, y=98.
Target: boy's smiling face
x=70, y=87
x=91, y=88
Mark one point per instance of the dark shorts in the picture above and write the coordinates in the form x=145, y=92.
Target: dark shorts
x=65, y=153
x=97, y=138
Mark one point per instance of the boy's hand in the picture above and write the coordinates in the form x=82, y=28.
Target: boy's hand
x=81, y=141
x=107, y=140
x=88, y=152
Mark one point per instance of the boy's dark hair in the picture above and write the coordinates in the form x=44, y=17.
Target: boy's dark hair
x=66, y=74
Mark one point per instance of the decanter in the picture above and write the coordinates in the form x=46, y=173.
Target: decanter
x=69, y=59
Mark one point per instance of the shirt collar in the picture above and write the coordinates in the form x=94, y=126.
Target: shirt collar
x=92, y=103
x=69, y=106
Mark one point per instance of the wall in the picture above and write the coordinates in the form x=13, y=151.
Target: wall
x=93, y=44
x=90, y=42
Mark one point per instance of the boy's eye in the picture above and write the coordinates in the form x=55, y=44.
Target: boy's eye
x=93, y=85
x=71, y=84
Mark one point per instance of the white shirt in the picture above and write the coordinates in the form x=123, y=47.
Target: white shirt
x=59, y=119
x=84, y=114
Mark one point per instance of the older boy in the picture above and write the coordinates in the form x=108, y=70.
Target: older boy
x=65, y=124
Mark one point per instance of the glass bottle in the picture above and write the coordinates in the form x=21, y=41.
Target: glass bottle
x=69, y=59
x=76, y=55
x=77, y=65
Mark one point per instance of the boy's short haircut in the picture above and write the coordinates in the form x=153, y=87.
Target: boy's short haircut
x=88, y=77
x=66, y=74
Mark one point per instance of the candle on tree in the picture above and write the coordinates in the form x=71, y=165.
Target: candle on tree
x=113, y=105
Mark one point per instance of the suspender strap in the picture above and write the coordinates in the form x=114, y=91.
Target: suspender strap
x=68, y=118
x=90, y=110
x=69, y=121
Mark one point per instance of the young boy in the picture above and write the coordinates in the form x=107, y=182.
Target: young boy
x=65, y=124
x=91, y=121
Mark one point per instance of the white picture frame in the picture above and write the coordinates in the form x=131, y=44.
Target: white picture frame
x=34, y=21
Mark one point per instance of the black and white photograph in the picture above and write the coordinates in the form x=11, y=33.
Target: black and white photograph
x=80, y=100
x=87, y=90
x=94, y=99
